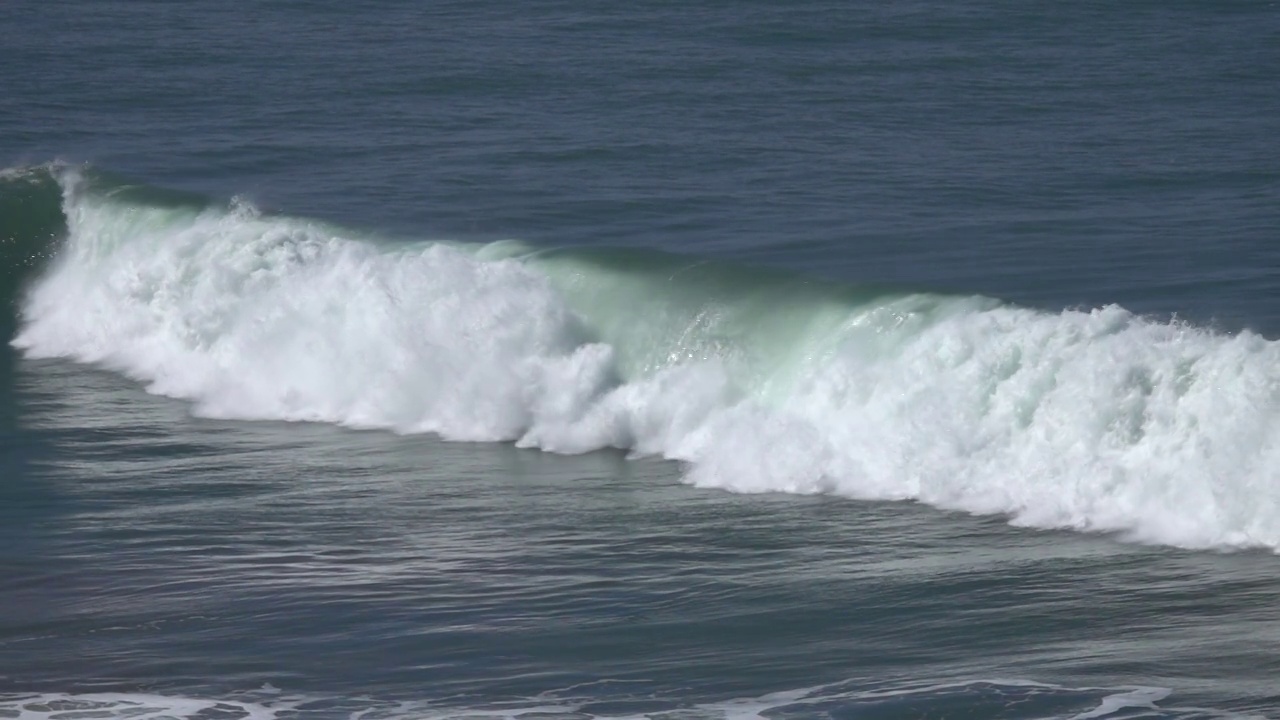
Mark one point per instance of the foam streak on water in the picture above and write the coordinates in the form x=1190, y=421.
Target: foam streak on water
x=1011, y=699
x=1095, y=420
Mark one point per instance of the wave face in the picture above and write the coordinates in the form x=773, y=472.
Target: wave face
x=30, y=220
x=1100, y=420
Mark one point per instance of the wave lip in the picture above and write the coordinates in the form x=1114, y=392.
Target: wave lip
x=1099, y=420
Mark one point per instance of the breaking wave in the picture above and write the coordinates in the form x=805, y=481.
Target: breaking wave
x=1095, y=420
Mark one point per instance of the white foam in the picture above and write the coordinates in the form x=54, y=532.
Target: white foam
x=1145, y=698
x=1090, y=420
x=130, y=706
x=255, y=318
x=979, y=698
x=1097, y=421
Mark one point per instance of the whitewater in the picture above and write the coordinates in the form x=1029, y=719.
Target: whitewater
x=1094, y=420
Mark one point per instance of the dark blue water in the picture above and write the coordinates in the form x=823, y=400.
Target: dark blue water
x=395, y=360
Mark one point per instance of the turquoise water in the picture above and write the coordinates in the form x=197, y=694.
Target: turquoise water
x=672, y=361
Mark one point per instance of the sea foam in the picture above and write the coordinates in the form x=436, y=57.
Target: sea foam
x=609, y=701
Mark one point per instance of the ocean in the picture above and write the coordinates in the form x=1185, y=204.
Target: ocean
x=385, y=360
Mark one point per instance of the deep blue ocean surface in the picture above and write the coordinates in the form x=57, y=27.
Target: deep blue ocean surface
x=385, y=360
